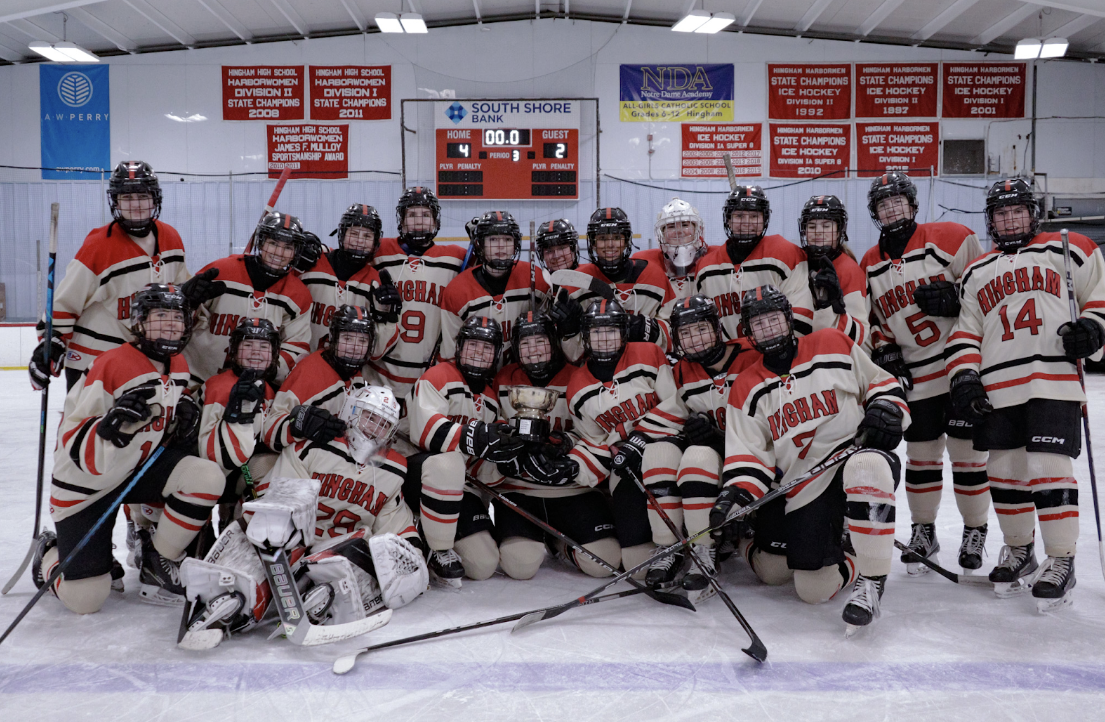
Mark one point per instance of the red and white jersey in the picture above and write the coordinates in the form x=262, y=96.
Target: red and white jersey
x=644, y=291
x=86, y=467
x=788, y=424
x=313, y=382
x=699, y=392
x=92, y=300
x=774, y=260
x=1013, y=305
x=421, y=280
x=607, y=412
x=441, y=402
x=286, y=303
x=855, y=322
x=328, y=294
x=937, y=251
x=353, y=496
x=465, y=297
x=228, y=445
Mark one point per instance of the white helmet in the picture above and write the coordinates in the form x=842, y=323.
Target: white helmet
x=371, y=416
x=682, y=250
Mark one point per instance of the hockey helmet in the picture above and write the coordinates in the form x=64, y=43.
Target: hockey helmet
x=609, y=221
x=827, y=208
x=479, y=328
x=132, y=177
x=349, y=357
x=774, y=333
x=681, y=244
x=888, y=185
x=690, y=339
x=746, y=198
x=605, y=314
x=555, y=234
x=496, y=223
x=424, y=197
x=371, y=416
x=283, y=229
x=148, y=332
x=361, y=216
x=1013, y=192
x=254, y=329
x=539, y=326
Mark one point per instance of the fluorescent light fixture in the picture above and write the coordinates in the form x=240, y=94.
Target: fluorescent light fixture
x=63, y=52
x=194, y=118
x=691, y=22
x=1027, y=49
x=716, y=24
x=413, y=23
x=1054, y=48
x=388, y=23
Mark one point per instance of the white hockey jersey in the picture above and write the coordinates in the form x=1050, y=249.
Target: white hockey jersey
x=228, y=445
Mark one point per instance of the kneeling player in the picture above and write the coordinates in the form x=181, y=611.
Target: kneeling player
x=805, y=400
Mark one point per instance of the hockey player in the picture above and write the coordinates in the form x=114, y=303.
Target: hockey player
x=911, y=280
x=681, y=235
x=1011, y=359
x=133, y=400
x=838, y=286
x=257, y=284
x=803, y=401
x=684, y=472
x=558, y=245
x=750, y=258
x=453, y=419
x=543, y=479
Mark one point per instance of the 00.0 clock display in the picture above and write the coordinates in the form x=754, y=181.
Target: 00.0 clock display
x=506, y=136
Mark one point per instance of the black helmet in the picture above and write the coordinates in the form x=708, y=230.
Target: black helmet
x=496, y=223
x=283, y=228
x=759, y=301
x=610, y=220
x=603, y=314
x=349, y=319
x=690, y=311
x=890, y=184
x=480, y=328
x=364, y=216
x=530, y=324
x=418, y=196
x=1012, y=192
x=746, y=198
x=254, y=329
x=158, y=296
x=134, y=176
x=824, y=208
x=560, y=232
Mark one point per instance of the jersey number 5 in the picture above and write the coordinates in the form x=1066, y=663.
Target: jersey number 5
x=924, y=331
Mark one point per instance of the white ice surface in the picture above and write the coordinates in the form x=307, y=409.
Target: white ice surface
x=939, y=652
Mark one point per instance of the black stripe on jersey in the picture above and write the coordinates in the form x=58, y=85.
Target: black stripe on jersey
x=404, y=364
x=757, y=474
x=620, y=379
x=394, y=468
x=454, y=265
x=912, y=258
x=333, y=394
x=802, y=327
x=512, y=296
x=771, y=386
x=321, y=281
x=75, y=448
x=952, y=349
x=458, y=390
x=98, y=336
x=693, y=391
x=1026, y=360
x=926, y=361
x=73, y=488
x=228, y=463
x=588, y=295
x=1049, y=248
x=140, y=266
x=330, y=448
x=437, y=441
x=896, y=393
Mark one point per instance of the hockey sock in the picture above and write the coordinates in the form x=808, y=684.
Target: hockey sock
x=442, y=490
x=869, y=487
x=1012, y=495
x=771, y=569
x=699, y=482
x=661, y=459
x=193, y=488
x=924, y=478
x=1055, y=494
x=972, y=487
x=83, y=596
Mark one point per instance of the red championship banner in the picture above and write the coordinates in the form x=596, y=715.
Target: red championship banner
x=809, y=92
x=704, y=144
x=310, y=150
x=984, y=90
x=803, y=150
x=912, y=147
x=350, y=92
x=896, y=90
x=263, y=92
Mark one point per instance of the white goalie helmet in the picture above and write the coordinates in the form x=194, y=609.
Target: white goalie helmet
x=681, y=235
x=371, y=416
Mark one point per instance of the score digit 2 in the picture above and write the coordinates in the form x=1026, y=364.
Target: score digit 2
x=508, y=163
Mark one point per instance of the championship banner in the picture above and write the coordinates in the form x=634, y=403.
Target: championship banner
x=704, y=146
x=805, y=91
x=912, y=147
x=896, y=90
x=984, y=90
x=803, y=150
x=75, y=108
x=676, y=93
x=353, y=92
x=311, y=151
x=263, y=92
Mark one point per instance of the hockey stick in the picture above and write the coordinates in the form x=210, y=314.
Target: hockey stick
x=965, y=579
x=344, y=664
x=49, y=337
x=532, y=271
x=271, y=205
x=1085, y=405
x=662, y=597
x=579, y=279
x=729, y=171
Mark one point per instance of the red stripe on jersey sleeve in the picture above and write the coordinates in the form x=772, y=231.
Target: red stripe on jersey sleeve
x=1030, y=378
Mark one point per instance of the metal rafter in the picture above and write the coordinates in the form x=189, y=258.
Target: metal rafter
x=216, y=8
x=476, y=7
x=749, y=11
x=882, y=12
x=811, y=15
x=357, y=20
x=628, y=7
x=34, y=31
x=1079, y=23
x=293, y=17
x=102, y=29
x=16, y=9
x=942, y=20
x=1006, y=24
x=167, y=26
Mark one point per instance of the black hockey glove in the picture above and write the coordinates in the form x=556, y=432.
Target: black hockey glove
x=938, y=298
x=246, y=397
x=825, y=287
x=511, y=469
x=186, y=423
x=202, y=288
x=700, y=431
x=567, y=314
x=643, y=328
x=630, y=456
x=550, y=472
x=969, y=396
x=309, y=255
x=316, y=424
x=1081, y=338
x=889, y=358
x=386, y=301
x=494, y=442
x=727, y=498
x=130, y=409
x=40, y=374
x=881, y=427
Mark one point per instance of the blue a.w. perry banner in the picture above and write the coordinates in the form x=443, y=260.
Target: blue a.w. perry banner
x=676, y=93
x=76, y=130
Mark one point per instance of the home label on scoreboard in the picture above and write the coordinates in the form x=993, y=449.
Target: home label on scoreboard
x=508, y=149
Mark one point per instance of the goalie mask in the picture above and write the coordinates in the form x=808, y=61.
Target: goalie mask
x=558, y=245
x=746, y=215
x=160, y=320
x=1013, y=214
x=418, y=214
x=359, y=232
x=610, y=240
x=350, y=341
x=682, y=237
x=535, y=347
x=479, y=345
x=896, y=217
x=277, y=244
x=254, y=344
x=371, y=416
x=497, y=241
x=767, y=321
x=696, y=330
x=605, y=331
x=823, y=227
x=134, y=196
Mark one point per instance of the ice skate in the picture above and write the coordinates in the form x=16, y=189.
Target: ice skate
x=664, y=572
x=117, y=574
x=45, y=541
x=695, y=582
x=446, y=569
x=159, y=577
x=1015, y=571
x=863, y=603
x=1054, y=584
x=922, y=543
x=972, y=547
x=317, y=601
x=133, y=551
x=205, y=629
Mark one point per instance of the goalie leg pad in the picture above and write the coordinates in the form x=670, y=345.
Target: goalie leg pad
x=356, y=594
x=285, y=515
x=230, y=566
x=400, y=569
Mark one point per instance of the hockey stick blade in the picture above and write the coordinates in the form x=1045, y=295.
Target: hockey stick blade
x=964, y=579
x=579, y=279
x=22, y=568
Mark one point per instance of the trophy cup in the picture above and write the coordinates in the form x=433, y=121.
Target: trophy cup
x=532, y=406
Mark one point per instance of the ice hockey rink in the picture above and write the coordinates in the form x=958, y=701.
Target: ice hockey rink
x=939, y=652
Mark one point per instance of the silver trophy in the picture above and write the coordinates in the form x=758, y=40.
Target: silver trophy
x=532, y=406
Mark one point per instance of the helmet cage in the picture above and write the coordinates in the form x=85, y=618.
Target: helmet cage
x=1012, y=192
x=132, y=177
x=605, y=314
x=609, y=221
x=890, y=184
x=362, y=216
x=418, y=196
x=479, y=328
x=152, y=297
x=371, y=416
x=689, y=312
x=827, y=208
x=760, y=301
x=254, y=329
x=496, y=223
x=349, y=319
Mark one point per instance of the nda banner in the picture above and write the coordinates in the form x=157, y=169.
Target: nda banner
x=353, y=92
x=676, y=93
x=311, y=151
x=76, y=133
x=704, y=146
x=984, y=90
x=896, y=90
x=912, y=147
x=803, y=150
x=263, y=92
x=809, y=92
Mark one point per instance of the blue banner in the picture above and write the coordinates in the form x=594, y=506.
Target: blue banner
x=676, y=93
x=76, y=133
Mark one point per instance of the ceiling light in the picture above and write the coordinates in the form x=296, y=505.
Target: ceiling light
x=1054, y=48
x=388, y=23
x=691, y=22
x=413, y=23
x=194, y=118
x=716, y=24
x=63, y=52
x=1027, y=49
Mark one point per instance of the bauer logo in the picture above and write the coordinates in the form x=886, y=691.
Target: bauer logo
x=456, y=112
x=75, y=89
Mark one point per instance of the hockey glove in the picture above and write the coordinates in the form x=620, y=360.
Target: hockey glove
x=700, y=431
x=643, y=328
x=202, y=288
x=511, y=469
x=310, y=253
x=969, y=396
x=40, y=375
x=567, y=314
x=550, y=472
x=889, y=358
x=630, y=456
x=825, y=287
x=938, y=298
x=245, y=397
x=126, y=417
x=386, y=302
x=1081, y=338
x=186, y=423
x=727, y=498
x=493, y=442
x=316, y=424
x=881, y=427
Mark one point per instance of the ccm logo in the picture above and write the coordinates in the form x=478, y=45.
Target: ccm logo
x=1048, y=440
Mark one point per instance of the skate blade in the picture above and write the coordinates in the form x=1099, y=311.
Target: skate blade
x=1008, y=590
x=152, y=594
x=201, y=639
x=695, y=596
x=851, y=630
x=916, y=569
x=1046, y=606
x=449, y=585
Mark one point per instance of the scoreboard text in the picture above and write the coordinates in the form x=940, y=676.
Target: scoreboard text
x=508, y=163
